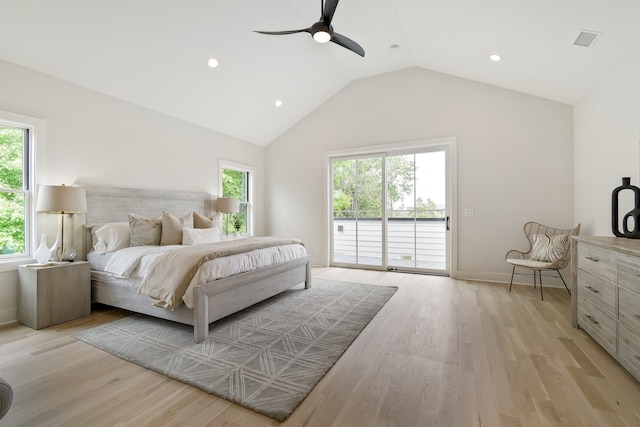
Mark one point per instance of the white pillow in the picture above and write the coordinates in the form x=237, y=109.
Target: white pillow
x=200, y=236
x=112, y=236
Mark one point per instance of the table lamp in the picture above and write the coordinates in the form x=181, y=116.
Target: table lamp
x=62, y=200
x=227, y=205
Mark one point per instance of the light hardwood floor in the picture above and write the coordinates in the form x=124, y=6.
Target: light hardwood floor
x=441, y=352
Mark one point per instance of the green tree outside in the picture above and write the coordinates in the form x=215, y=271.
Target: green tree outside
x=12, y=203
x=357, y=188
x=234, y=184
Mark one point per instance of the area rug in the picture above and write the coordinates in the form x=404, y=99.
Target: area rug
x=266, y=358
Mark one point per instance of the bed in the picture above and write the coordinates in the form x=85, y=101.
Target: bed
x=210, y=300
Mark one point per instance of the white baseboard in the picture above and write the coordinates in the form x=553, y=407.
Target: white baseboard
x=552, y=282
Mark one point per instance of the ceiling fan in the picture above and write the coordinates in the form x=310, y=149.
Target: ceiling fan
x=322, y=31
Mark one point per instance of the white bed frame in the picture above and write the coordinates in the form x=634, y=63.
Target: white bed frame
x=212, y=301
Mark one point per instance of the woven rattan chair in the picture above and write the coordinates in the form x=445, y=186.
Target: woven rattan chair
x=6, y=397
x=549, y=250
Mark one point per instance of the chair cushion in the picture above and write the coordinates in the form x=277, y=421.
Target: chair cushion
x=549, y=248
x=529, y=263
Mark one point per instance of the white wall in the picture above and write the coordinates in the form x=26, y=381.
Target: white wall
x=607, y=135
x=514, y=154
x=94, y=139
x=515, y=159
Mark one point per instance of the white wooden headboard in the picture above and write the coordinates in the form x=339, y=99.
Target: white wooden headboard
x=110, y=204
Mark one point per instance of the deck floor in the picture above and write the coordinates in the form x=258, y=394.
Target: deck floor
x=392, y=263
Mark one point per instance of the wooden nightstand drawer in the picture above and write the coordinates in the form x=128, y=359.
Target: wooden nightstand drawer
x=598, y=324
x=54, y=294
x=629, y=272
x=629, y=350
x=598, y=291
x=599, y=261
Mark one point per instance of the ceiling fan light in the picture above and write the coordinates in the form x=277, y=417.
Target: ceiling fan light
x=322, y=36
x=321, y=32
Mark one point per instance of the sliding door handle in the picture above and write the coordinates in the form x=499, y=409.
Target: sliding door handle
x=448, y=224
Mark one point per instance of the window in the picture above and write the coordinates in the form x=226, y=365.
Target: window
x=15, y=190
x=236, y=182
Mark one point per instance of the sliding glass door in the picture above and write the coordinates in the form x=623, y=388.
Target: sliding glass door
x=417, y=212
x=358, y=205
x=390, y=210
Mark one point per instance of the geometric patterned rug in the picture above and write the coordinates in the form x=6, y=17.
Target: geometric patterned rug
x=267, y=357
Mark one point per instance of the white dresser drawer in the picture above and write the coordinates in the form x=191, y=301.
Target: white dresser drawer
x=601, y=326
x=629, y=272
x=629, y=308
x=629, y=351
x=598, y=291
x=596, y=260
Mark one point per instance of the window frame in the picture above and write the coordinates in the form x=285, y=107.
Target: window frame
x=36, y=130
x=250, y=170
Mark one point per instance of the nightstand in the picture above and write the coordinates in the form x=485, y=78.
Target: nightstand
x=53, y=294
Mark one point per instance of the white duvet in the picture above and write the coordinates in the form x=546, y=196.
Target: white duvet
x=135, y=262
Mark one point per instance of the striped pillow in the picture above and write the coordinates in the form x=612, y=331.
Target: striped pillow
x=549, y=248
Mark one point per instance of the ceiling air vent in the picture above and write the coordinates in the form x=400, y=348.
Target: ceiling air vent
x=586, y=38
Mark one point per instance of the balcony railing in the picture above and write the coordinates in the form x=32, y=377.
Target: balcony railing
x=412, y=242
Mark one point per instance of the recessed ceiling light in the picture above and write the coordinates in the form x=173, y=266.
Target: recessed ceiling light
x=212, y=62
x=495, y=57
x=278, y=103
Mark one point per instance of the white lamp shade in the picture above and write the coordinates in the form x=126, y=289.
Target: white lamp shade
x=61, y=199
x=227, y=205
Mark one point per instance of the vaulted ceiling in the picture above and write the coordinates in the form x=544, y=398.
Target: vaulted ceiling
x=154, y=52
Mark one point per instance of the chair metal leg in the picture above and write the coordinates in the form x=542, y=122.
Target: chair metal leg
x=565, y=283
x=540, y=274
x=512, y=273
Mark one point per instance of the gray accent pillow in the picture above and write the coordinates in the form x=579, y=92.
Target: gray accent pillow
x=172, y=228
x=145, y=231
x=550, y=248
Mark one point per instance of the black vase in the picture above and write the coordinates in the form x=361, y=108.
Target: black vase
x=633, y=215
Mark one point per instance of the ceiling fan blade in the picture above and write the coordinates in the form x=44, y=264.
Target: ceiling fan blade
x=279, y=33
x=328, y=10
x=348, y=43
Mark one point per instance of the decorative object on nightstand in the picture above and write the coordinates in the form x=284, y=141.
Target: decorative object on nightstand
x=43, y=253
x=227, y=205
x=62, y=200
x=54, y=293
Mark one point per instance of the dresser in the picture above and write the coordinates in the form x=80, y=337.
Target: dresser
x=54, y=294
x=605, y=300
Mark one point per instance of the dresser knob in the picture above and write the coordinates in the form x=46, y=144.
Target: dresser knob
x=592, y=259
x=595, y=291
x=637, y=357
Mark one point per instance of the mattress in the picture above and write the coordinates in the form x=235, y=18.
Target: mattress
x=128, y=267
